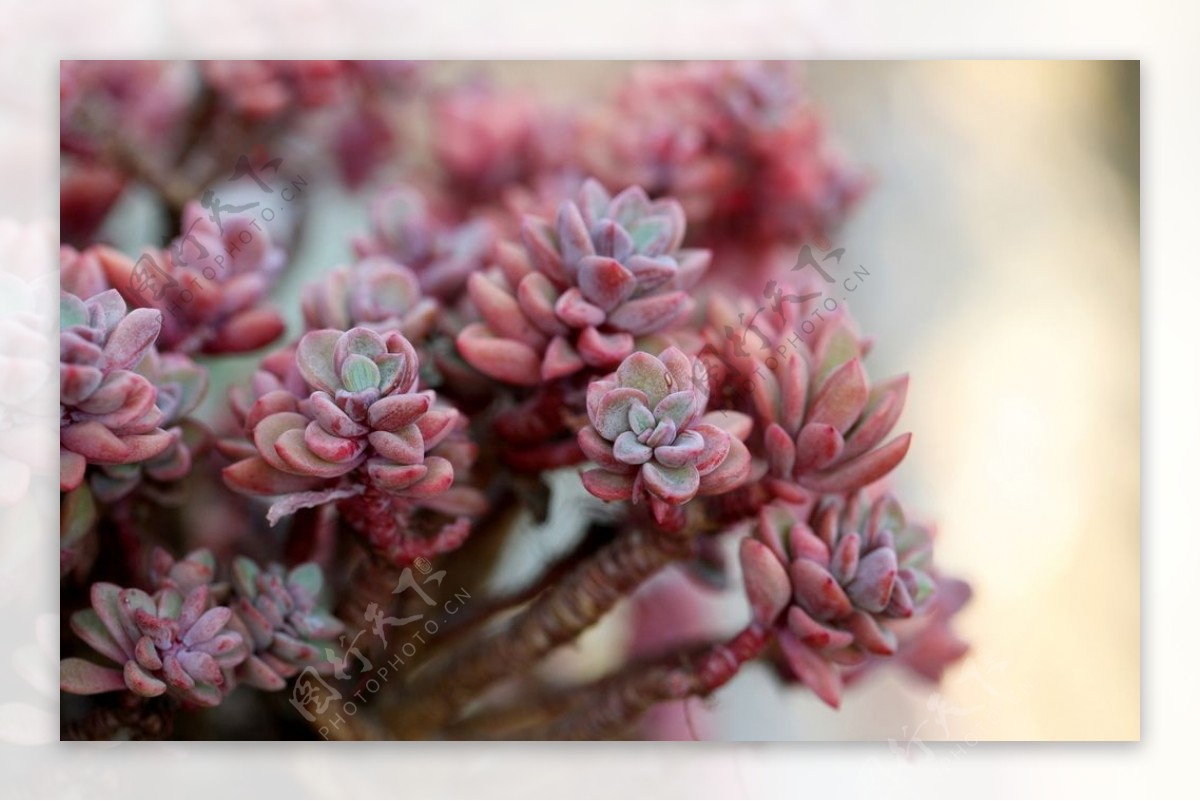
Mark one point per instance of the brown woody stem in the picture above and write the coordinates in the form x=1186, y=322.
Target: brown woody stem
x=557, y=616
x=612, y=705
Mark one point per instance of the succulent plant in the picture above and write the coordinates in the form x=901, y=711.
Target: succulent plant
x=832, y=583
x=609, y=270
x=279, y=615
x=211, y=284
x=107, y=411
x=442, y=254
x=180, y=385
x=167, y=642
x=651, y=438
x=375, y=293
x=364, y=412
x=825, y=422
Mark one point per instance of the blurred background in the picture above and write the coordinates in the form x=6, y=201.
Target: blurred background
x=1002, y=240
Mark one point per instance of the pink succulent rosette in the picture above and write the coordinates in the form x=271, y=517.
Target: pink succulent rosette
x=211, y=284
x=364, y=414
x=608, y=270
x=168, y=642
x=107, y=411
x=374, y=292
x=442, y=254
x=651, y=439
x=834, y=584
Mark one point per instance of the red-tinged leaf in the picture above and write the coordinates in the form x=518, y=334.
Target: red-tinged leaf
x=71, y=468
x=254, y=476
x=561, y=360
x=603, y=351
x=80, y=677
x=405, y=446
x=861, y=471
x=736, y=424
x=332, y=418
x=814, y=671
x=716, y=447
x=883, y=410
x=781, y=450
x=608, y=486
x=816, y=635
x=605, y=282
x=817, y=591
x=502, y=359
x=314, y=358
x=259, y=675
x=870, y=635
x=437, y=424
x=250, y=330
x=598, y=449
x=818, y=445
x=767, y=584
x=141, y=682
x=397, y=411
x=130, y=340
x=651, y=313
x=95, y=442
x=841, y=398
x=733, y=471
x=611, y=417
x=392, y=477
x=538, y=297
x=268, y=432
x=871, y=588
x=296, y=455
x=573, y=234
x=438, y=478
x=88, y=626
x=540, y=243
x=502, y=313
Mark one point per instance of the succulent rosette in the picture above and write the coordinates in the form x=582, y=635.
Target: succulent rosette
x=824, y=421
x=279, y=614
x=833, y=584
x=650, y=436
x=107, y=411
x=608, y=270
x=211, y=284
x=168, y=642
x=180, y=384
x=442, y=254
x=374, y=292
x=364, y=414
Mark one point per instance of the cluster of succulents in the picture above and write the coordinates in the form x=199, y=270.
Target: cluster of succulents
x=737, y=143
x=561, y=314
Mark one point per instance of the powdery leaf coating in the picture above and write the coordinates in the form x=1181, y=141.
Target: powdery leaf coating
x=648, y=438
x=608, y=269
